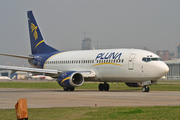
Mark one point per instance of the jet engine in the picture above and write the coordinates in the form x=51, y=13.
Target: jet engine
x=70, y=79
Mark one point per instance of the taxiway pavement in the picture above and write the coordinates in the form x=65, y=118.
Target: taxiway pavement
x=47, y=98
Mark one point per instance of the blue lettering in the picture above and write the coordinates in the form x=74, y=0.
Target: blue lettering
x=99, y=55
x=114, y=56
x=102, y=56
x=118, y=56
x=108, y=55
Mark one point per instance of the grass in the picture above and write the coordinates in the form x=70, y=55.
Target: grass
x=169, y=81
x=99, y=113
x=89, y=86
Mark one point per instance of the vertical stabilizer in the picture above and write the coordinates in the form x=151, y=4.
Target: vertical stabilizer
x=38, y=44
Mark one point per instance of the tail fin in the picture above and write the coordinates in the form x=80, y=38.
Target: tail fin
x=38, y=44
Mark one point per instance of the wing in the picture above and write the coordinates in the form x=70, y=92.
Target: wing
x=33, y=70
x=17, y=56
x=48, y=72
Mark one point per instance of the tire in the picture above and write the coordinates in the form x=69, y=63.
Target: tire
x=147, y=89
x=71, y=89
x=106, y=87
x=101, y=87
x=144, y=89
x=65, y=88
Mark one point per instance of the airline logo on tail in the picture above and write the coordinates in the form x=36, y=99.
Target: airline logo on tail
x=34, y=28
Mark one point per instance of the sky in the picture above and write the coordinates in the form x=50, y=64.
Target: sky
x=154, y=24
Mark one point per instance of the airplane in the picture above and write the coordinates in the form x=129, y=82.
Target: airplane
x=5, y=78
x=134, y=67
x=41, y=77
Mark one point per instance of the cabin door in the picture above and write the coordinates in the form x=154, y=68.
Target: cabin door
x=131, y=61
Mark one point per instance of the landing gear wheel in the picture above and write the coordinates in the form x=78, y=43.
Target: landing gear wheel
x=71, y=89
x=106, y=87
x=101, y=87
x=68, y=88
x=145, y=89
x=65, y=88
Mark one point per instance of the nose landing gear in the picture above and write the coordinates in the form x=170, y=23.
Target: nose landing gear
x=145, y=89
x=104, y=87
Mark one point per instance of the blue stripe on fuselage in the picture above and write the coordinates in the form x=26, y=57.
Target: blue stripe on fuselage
x=40, y=59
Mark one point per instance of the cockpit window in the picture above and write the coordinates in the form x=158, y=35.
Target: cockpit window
x=156, y=59
x=144, y=59
x=147, y=59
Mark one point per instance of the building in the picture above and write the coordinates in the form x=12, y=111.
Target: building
x=86, y=44
x=174, y=69
x=178, y=50
x=164, y=54
x=171, y=56
x=5, y=73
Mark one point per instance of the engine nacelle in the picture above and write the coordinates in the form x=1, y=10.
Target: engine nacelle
x=70, y=79
x=141, y=84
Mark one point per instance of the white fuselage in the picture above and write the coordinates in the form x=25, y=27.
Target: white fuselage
x=111, y=65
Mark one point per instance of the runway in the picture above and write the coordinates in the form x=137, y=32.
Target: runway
x=47, y=98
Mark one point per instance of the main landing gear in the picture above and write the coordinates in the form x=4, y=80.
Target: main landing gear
x=145, y=89
x=68, y=88
x=104, y=87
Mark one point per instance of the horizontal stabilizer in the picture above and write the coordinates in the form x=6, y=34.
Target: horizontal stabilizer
x=17, y=56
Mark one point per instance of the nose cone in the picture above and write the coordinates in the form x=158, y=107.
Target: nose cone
x=163, y=69
x=166, y=69
x=160, y=69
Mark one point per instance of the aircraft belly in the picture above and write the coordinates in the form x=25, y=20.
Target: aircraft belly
x=125, y=79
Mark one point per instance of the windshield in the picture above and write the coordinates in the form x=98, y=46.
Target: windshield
x=148, y=59
x=156, y=59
